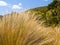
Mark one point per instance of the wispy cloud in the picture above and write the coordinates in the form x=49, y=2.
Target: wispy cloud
x=45, y=0
x=17, y=6
x=3, y=3
x=20, y=4
x=14, y=7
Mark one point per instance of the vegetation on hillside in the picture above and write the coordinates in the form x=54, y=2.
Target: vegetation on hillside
x=50, y=15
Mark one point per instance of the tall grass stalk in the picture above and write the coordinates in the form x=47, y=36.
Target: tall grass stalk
x=23, y=29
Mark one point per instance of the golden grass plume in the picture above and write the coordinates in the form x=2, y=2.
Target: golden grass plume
x=23, y=29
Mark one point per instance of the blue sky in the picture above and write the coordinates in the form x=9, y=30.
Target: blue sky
x=7, y=6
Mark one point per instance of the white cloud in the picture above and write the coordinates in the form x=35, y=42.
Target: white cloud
x=45, y=0
x=3, y=3
x=18, y=6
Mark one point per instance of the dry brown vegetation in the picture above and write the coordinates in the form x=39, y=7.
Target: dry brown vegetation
x=23, y=29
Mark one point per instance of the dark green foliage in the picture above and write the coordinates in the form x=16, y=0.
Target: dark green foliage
x=50, y=15
x=53, y=5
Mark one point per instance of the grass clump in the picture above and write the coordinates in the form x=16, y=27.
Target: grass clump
x=23, y=29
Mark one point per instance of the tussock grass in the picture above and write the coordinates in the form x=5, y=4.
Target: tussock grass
x=23, y=29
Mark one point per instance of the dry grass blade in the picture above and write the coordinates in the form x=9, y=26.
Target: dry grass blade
x=23, y=29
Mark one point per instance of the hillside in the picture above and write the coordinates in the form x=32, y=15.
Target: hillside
x=50, y=15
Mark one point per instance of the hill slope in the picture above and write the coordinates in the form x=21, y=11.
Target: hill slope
x=50, y=15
